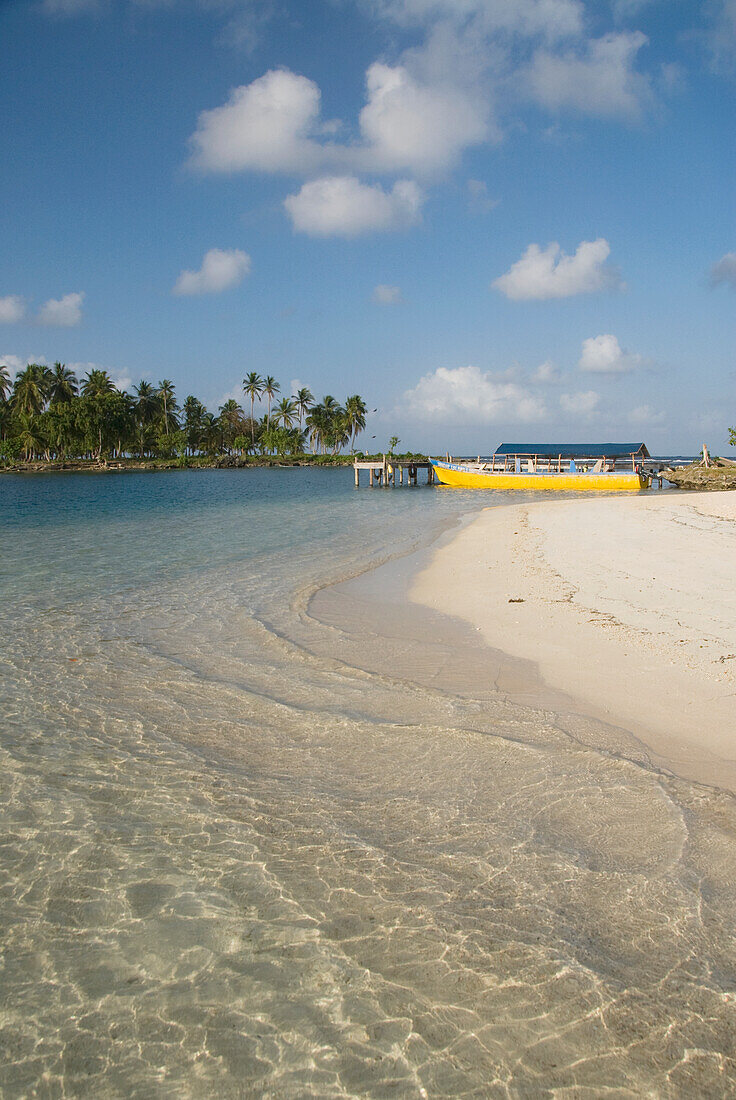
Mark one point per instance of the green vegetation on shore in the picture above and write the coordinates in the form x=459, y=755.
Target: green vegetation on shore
x=49, y=419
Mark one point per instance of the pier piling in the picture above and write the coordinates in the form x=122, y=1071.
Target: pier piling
x=388, y=472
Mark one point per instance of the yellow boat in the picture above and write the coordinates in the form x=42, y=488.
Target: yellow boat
x=590, y=467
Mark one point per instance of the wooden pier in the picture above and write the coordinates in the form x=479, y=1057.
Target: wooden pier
x=388, y=471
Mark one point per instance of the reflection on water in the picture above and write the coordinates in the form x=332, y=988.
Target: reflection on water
x=235, y=864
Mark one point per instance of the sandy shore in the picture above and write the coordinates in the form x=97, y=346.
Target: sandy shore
x=629, y=607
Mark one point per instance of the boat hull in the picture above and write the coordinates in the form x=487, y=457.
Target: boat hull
x=464, y=477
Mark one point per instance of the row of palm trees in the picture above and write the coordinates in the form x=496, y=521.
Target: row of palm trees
x=48, y=411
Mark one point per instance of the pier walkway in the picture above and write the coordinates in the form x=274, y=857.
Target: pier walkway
x=388, y=471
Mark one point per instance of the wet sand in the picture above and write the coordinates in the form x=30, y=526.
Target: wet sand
x=627, y=605
x=556, y=753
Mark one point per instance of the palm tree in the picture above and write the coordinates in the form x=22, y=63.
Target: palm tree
x=355, y=411
x=253, y=386
x=285, y=412
x=194, y=413
x=168, y=400
x=231, y=420
x=340, y=431
x=30, y=438
x=211, y=433
x=5, y=383
x=315, y=425
x=324, y=423
x=63, y=385
x=97, y=383
x=147, y=401
x=270, y=388
x=304, y=400
x=4, y=418
x=147, y=405
x=31, y=389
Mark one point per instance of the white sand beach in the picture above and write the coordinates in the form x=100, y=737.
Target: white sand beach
x=629, y=607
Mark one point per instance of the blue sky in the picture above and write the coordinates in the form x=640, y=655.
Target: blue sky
x=495, y=219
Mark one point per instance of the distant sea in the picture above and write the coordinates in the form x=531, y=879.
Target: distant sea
x=233, y=863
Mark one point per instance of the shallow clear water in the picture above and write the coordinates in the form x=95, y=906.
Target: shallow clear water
x=236, y=859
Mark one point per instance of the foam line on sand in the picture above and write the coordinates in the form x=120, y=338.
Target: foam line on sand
x=629, y=606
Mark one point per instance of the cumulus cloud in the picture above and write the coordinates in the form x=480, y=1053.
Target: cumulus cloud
x=19, y=362
x=342, y=206
x=235, y=393
x=724, y=271
x=547, y=373
x=597, y=78
x=65, y=311
x=384, y=295
x=121, y=379
x=551, y=273
x=13, y=362
x=437, y=99
x=582, y=404
x=12, y=309
x=604, y=355
x=273, y=125
x=417, y=125
x=469, y=395
x=220, y=270
x=265, y=126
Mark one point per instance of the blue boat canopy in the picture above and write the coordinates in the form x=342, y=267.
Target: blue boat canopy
x=575, y=450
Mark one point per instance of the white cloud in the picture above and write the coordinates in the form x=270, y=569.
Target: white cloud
x=265, y=126
x=724, y=271
x=417, y=125
x=12, y=309
x=121, y=379
x=550, y=273
x=604, y=355
x=583, y=403
x=342, y=206
x=65, y=311
x=469, y=395
x=220, y=270
x=273, y=125
x=598, y=79
x=19, y=362
x=385, y=295
x=235, y=393
x=13, y=362
x=547, y=373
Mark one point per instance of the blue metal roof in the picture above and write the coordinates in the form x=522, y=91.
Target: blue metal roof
x=575, y=450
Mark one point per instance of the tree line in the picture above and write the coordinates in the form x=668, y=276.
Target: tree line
x=47, y=412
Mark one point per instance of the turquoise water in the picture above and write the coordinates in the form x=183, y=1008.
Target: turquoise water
x=234, y=863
